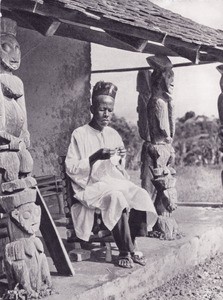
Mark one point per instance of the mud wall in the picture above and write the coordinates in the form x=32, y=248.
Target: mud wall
x=56, y=76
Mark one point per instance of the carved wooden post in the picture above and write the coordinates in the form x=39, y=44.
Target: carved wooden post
x=156, y=127
x=25, y=261
x=220, y=107
x=220, y=112
x=145, y=91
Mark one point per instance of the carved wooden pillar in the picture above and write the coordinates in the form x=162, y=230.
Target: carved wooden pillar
x=25, y=261
x=220, y=107
x=156, y=126
x=144, y=89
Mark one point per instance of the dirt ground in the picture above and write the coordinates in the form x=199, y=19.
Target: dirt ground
x=203, y=282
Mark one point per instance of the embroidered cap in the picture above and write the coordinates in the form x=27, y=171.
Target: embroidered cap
x=8, y=26
x=104, y=88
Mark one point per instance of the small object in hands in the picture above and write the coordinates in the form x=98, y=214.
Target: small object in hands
x=115, y=159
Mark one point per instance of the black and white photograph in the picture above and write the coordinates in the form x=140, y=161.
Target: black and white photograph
x=111, y=149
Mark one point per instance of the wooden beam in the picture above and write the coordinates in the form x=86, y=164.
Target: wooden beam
x=158, y=50
x=215, y=53
x=184, y=49
x=45, y=25
x=204, y=56
x=44, y=9
x=180, y=65
x=53, y=240
x=137, y=43
x=143, y=45
x=24, y=5
x=49, y=28
x=86, y=33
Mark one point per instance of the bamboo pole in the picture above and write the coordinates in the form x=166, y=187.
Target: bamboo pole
x=179, y=65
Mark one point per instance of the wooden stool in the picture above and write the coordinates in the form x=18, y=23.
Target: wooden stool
x=100, y=233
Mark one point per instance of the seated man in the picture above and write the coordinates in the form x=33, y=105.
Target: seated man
x=95, y=163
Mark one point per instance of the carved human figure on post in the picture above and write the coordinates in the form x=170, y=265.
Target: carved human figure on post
x=220, y=107
x=158, y=152
x=25, y=261
x=15, y=159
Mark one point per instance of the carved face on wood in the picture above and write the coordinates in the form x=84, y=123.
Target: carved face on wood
x=10, y=53
x=167, y=83
x=28, y=216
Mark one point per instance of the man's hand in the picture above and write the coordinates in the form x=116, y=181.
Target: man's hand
x=121, y=151
x=101, y=154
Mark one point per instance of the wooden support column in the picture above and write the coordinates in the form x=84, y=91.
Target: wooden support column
x=25, y=261
x=220, y=112
x=156, y=127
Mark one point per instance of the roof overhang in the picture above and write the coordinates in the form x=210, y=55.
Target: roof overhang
x=49, y=18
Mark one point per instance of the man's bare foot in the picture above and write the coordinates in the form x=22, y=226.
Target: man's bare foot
x=139, y=258
x=125, y=262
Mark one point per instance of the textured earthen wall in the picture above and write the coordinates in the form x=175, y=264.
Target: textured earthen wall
x=56, y=76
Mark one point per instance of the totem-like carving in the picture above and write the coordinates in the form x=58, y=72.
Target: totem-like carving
x=25, y=261
x=157, y=113
x=144, y=88
x=220, y=107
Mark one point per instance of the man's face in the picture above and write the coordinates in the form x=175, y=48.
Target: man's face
x=102, y=110
x=10, y=53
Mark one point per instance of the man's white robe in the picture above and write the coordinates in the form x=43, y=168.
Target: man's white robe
x=105, y=185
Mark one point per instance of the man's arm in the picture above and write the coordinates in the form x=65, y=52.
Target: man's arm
x=77, y=168
x=101, y=154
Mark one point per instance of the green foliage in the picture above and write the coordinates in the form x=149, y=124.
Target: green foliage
x=131, y=139
x=196, y=140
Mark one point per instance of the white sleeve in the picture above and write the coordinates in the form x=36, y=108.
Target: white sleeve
x=77, y=168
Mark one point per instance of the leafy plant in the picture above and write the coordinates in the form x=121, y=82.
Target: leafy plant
x=131, y=139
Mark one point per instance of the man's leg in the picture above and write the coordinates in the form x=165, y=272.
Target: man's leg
x=137, y=223
x=122, y=236
x=138, y=227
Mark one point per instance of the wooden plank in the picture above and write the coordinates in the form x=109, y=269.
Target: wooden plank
x=137, y=43
x=184, y=49
x=46, y=26
x=53, y=240
x=200, y=204
x=44, y=177
x=49, y=180
x=46, y=193
x=83, y=33
x=158, y=50
x=54, y=184
x=123, y=42
x=212, y=53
